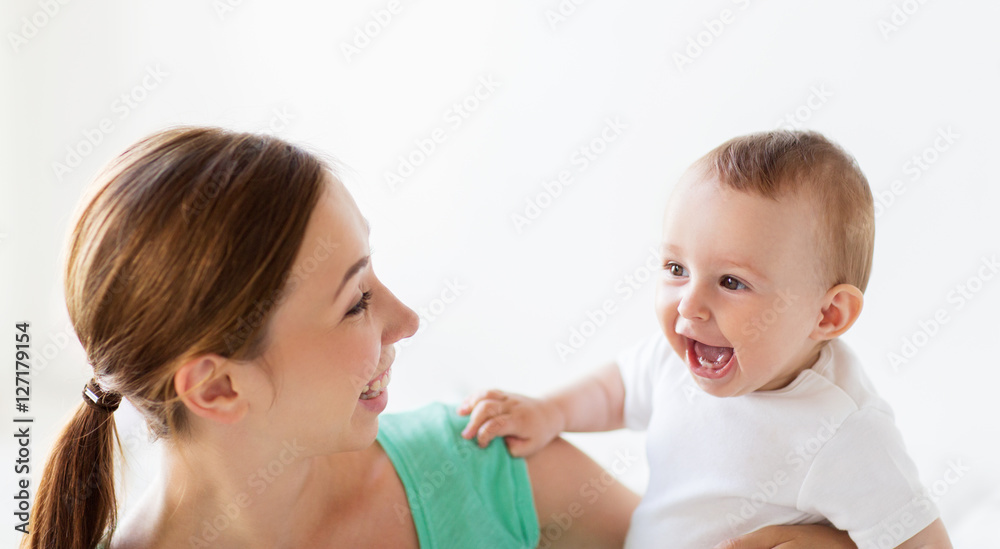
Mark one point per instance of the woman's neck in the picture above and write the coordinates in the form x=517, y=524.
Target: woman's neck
x=229, y=496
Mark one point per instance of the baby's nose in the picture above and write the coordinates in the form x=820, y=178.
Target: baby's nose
x=692, y=307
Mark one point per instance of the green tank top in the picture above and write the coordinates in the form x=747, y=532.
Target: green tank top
x=460, y=495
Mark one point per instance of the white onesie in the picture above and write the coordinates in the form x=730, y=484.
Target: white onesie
x=824, y=449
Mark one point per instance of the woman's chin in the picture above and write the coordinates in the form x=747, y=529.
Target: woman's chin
x=377, y=403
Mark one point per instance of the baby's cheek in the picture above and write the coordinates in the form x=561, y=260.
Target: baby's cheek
x=667, y=318
x=797, y=323
x=664, y=302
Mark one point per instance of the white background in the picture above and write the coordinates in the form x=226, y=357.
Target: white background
x=837, y=67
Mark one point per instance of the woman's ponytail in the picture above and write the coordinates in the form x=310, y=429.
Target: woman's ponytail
x=182, y=248
x=75, y=503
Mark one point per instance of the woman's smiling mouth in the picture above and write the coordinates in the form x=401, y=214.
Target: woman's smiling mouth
x=375, y=387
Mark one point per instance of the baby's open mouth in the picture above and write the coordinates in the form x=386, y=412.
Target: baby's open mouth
x=709, y=361
x=377, y=385
x=712, y=357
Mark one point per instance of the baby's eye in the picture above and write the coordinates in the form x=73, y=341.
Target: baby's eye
x=676, y=270
x=732, y=283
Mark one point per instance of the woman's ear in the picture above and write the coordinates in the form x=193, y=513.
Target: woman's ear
x=208, y=390
x=841, y=307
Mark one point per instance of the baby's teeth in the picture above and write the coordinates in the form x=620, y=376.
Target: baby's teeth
x=707, y=363
x=377, y=385
x=365, y=390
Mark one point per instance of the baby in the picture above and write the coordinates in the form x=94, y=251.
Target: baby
x=758, y=413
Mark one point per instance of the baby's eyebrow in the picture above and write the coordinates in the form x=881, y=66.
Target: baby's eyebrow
x=668, y=250
x=746, y=266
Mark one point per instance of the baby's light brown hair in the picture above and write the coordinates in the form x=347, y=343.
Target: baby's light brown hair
x=781, y=162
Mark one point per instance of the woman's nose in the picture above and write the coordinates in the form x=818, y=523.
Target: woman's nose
x=401, y=321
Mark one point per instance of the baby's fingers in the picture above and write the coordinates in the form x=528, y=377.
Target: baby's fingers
x=470, y=402
x=494, y=427
x=481, y=412
x=522, y=447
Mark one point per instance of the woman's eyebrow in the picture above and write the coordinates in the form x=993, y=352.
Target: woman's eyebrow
x=360, y=264
x=353, y=270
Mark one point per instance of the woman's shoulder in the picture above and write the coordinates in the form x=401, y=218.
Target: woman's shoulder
x=431, y=436
x=436, y=421
x=125, y=538
x=427, y=443
x=456, y=490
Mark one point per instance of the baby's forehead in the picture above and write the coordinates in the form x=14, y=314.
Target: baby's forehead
x=738, y=222
x=799, y=172
x=695, y=182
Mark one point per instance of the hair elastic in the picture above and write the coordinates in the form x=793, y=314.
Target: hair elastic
x=95, y=397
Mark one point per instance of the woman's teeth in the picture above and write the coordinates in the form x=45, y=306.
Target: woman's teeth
x=375, y=388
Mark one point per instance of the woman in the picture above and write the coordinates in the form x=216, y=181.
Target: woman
x=223, y=284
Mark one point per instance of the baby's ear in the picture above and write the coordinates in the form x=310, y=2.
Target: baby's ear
x=841, y=307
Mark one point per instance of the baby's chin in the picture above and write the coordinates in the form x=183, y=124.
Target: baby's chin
x=731, y=389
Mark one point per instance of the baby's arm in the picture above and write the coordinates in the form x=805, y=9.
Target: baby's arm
x=595, y=403
x=798, y=536
x=932, y=537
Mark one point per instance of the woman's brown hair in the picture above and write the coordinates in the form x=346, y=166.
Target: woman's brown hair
x=184, y=248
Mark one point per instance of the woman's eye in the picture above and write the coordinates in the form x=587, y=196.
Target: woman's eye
x=732, y=283
x=676, y=270
x=361, y=305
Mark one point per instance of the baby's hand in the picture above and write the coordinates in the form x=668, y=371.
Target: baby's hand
x=527, y=424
